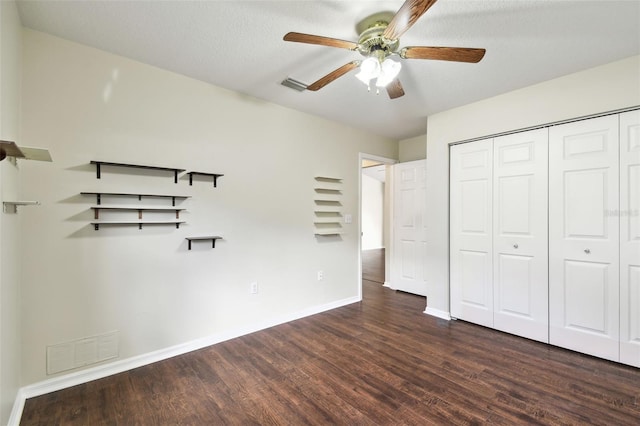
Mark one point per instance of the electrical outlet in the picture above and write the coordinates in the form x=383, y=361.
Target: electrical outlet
x=320, y=275
x=253, y=287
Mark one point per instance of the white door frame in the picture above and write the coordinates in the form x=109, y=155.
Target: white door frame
x=387, y=161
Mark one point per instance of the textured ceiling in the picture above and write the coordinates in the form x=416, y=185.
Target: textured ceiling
x=238, y=45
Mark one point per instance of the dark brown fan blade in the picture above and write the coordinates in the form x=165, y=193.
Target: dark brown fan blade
x=408, y=14
x=323, y=41
x=333, y=75
x=457, y=54
x=394, y=89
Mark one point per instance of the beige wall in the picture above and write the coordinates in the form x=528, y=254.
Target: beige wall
x=10, y=40
x=412, y=149
x=601, y=89
x=373, y=202
x=85, y=104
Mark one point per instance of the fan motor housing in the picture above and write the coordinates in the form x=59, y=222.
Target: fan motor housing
x=371, y=30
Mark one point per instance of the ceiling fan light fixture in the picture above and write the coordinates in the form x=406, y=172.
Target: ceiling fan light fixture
x=369, y=69
x=389, y=70
x=379, y=39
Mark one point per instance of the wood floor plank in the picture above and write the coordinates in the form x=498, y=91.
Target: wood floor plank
x=378, y=362
x=298, y=382
x=373, y=265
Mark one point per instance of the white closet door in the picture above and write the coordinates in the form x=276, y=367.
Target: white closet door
x=630, y=238
x=520, y=269
x=409, y=230
x=471, y=275
x=584, y=237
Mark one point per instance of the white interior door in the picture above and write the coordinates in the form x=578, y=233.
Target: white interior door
x=584, y=237
x=471, y=277
x=520, y=267
x=409, y=227
x=630, y=238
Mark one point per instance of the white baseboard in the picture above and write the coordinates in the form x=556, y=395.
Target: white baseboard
x=438, y=313
x=109, y=369
x=16, y=411
x=387, y=284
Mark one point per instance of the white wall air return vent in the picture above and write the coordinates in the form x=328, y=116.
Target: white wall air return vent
x=81, y=352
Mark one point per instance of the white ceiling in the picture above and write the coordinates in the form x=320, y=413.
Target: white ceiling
x=238, y=45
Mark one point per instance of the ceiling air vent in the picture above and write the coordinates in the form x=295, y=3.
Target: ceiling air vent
x=294, y=84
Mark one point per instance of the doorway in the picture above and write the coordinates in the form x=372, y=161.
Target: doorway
x=375, y=218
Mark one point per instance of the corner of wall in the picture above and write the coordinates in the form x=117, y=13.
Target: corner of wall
x=10, y=77
x=412, y=149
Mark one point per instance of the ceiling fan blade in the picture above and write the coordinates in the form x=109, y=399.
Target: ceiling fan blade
x=457, y=54
x=408, y=14
x=394, y=89
x=323, y=41
x=333, y=75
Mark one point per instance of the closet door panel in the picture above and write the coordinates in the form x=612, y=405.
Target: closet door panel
x=630, y=238
x=515, y=287
x=584, y=237
x=520, y=234
x=471, y=236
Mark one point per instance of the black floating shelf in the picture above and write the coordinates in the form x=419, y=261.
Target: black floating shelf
x=212, y=238
x=214, y=175
x=140, y=196
x=97, y=209
x=140, y=223
x=99, y=164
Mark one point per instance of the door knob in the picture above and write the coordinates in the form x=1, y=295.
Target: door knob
x=515, y=246
x=587, y=251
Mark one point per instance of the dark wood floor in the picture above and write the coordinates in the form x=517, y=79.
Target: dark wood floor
x=381, y=361
x=373, y=265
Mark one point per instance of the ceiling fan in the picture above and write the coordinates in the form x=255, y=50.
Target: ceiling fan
x=379, y=40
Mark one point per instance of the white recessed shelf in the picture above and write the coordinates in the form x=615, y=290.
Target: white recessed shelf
x=328, y=193
x=329, y=214
x=12, y=206
x=328, y=179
